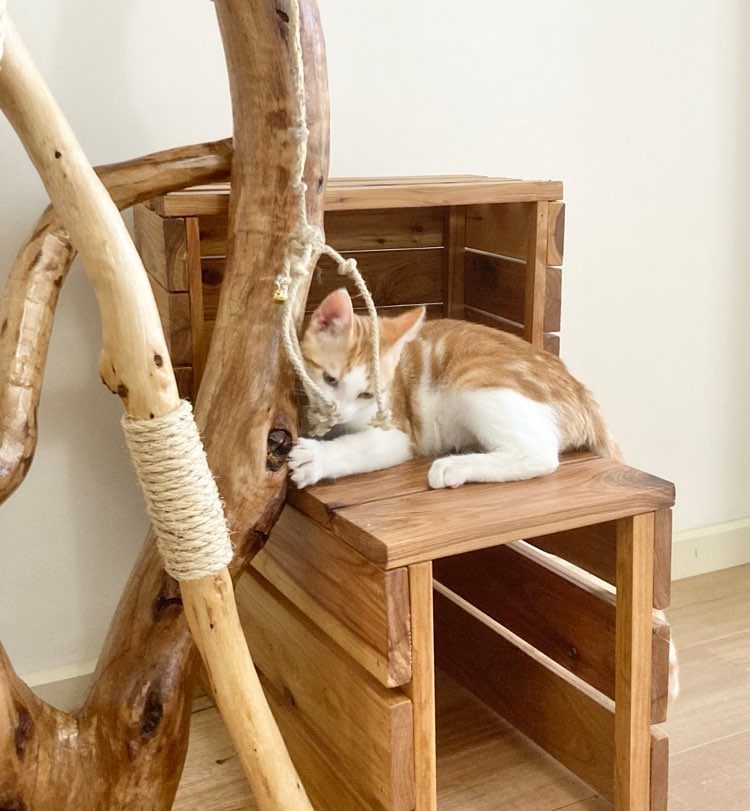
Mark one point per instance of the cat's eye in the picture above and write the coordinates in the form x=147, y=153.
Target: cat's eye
x=330, y=380
x=365, y=395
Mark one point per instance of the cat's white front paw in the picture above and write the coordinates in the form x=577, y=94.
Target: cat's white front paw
x=449, y=471
x=305, y=462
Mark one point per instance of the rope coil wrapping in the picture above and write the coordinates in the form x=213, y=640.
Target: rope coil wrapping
x=306, y=241
x=182, y=499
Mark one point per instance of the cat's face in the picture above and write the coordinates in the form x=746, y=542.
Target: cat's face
x=336, y=347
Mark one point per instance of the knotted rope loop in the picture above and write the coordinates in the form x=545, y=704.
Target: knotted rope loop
x=182, y=499
x=305, y=242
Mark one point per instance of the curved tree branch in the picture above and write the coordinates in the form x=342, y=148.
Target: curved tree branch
x=28, y=303
x=125, y=747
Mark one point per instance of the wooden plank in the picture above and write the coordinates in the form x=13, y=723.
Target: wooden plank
x=174, y=312
x=425, y=526
x=560, y=713
x=394, y=277
x=213, y=200
x=213, y=235
x=500, y=229
x=594, y=548
x=161, y=244
x=184, y=377
x=556, y=610
x=456, y=265
x=568, y=719
x=441, y=194
x=361, y=607
x=382, y=229
x=662, y=558
x=659, y=770
x=635, y=551
x=322, y=500
x=536, y=276
x=367, y=727
x=421, y=690
x=195, y=291
x=497, y=285
x=551, y=339
x=352, y=230
x=556, y=233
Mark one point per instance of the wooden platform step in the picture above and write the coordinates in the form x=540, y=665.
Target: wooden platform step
x=394, y=519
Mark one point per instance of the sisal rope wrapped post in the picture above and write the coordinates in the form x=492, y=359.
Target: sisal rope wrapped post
x=182, y=499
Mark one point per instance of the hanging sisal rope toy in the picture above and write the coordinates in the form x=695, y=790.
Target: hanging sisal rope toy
x=306, y=241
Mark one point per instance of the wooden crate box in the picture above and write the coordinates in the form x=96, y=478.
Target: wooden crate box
x=485, y=249
x=355, y=598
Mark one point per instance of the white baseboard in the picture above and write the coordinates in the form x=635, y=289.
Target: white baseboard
x=709, y=549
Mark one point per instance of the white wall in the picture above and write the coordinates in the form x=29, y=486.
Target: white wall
x=641, y=110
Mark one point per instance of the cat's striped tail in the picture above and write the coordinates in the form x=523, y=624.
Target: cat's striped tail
x=602, y=442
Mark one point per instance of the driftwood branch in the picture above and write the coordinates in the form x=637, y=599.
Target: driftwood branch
x=29, y=300
x=125, y=747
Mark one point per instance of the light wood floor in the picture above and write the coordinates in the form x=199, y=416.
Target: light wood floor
x=709, y=729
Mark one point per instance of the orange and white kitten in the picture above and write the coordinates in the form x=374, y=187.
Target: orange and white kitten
x=489, y=405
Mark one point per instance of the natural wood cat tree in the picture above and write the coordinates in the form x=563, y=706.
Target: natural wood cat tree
x=125, y=746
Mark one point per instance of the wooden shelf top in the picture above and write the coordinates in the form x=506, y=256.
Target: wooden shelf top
x=357, y=193
x=394, y=519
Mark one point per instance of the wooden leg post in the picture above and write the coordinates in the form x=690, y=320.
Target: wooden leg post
x=421, y=690
x=635, y=560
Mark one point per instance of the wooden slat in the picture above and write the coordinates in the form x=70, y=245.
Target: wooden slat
x=212, y=200
x=317, y=764
x=161, y=244
x=536, y=276
x=594, y=548
x=361, y=607
x=352, y=230
x=184, y=377
x=382, y=229
x=367, y=727
x=659, y=770
x=556, y=233
x=551, y=339
x=213, y=235
x=393, y=277
x=195, y=291
x=456, y=265
x=499, y=229
x=554, y=609
x=563, y=715
x=497, y=285
x=174, y=312
x=503, y=229
x=421, y=690
x=662, y=558
x=426, y=526
x=322, y=500
x=635, y=550
x=442, y=194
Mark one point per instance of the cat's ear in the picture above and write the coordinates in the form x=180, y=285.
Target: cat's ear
x=395, y=332
x=334, y=315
